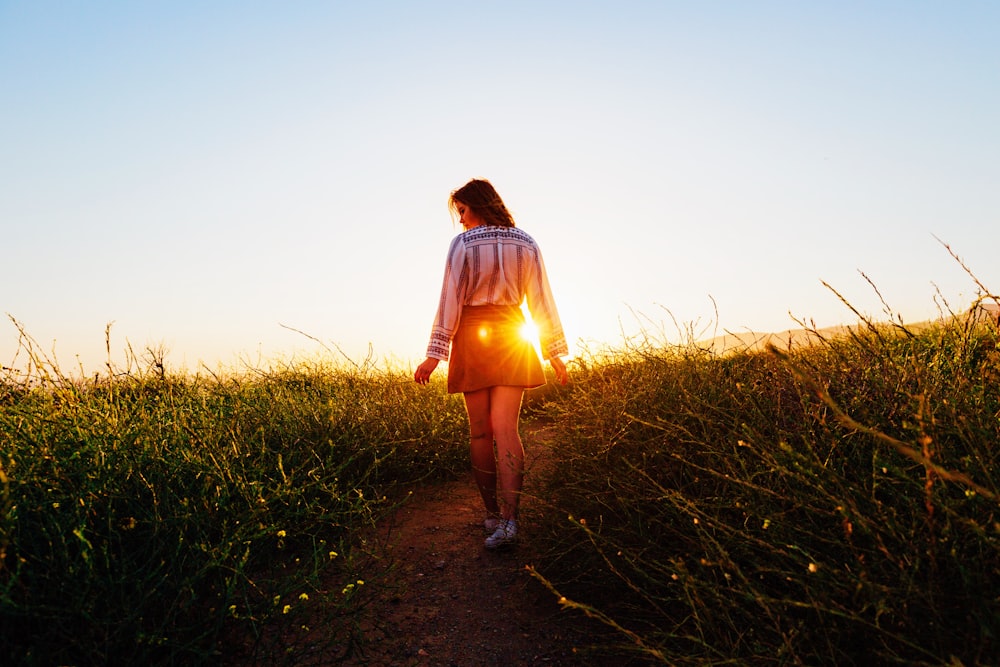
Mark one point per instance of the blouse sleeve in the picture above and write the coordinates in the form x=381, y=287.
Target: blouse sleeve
x=542, y=306
x=450, y=305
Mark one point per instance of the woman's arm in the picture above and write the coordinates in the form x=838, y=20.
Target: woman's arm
x=424, y=370
x=560, y=368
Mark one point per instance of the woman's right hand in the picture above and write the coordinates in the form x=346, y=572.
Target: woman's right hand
x=424, y=370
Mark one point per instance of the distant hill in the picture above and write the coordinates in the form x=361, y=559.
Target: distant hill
x=755, y=341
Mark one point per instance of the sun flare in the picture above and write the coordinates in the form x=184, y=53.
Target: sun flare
x=529, y=332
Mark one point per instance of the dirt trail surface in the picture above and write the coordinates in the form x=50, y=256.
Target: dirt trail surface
x=450, y=601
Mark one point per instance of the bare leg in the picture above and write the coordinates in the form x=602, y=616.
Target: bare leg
x=484, y=463
x=505, y=408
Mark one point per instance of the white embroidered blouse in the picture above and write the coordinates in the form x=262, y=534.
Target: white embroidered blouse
x=501, y=266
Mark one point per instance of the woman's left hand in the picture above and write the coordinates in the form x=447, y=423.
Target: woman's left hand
x=424, y=370
x=560, y=368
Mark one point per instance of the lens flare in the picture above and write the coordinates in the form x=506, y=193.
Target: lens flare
x=529, y=332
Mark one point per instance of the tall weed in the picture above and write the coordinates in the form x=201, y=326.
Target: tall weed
x=834, y=504
x=155, y=518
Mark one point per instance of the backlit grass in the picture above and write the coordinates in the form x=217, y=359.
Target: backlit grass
x=835, y=504
x=154, y=518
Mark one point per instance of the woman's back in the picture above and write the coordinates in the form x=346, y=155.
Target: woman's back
x=494, y=265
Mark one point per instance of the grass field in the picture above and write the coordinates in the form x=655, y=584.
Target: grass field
x=837, y=504
x=831, y=504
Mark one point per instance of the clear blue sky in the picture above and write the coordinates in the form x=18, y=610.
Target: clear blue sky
x=201, y=173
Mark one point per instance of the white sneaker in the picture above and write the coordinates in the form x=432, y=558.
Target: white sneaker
x=505, y=533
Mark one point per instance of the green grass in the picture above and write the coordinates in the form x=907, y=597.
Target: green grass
x=836, y=504
x=830, y=505
x=148, y=518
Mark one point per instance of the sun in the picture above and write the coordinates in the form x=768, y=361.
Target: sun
x=529, y=332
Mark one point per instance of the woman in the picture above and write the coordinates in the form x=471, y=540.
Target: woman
x=492, y=268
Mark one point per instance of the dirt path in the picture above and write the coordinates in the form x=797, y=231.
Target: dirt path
x=452, y=602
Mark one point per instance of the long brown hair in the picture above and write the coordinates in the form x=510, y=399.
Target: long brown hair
x=482, y=198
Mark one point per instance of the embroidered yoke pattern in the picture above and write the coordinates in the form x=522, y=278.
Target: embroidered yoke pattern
x=499, y=266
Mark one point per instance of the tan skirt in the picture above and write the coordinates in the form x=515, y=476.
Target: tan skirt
x=488, y=350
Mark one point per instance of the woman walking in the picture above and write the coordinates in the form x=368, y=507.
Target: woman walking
x=492, y=268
